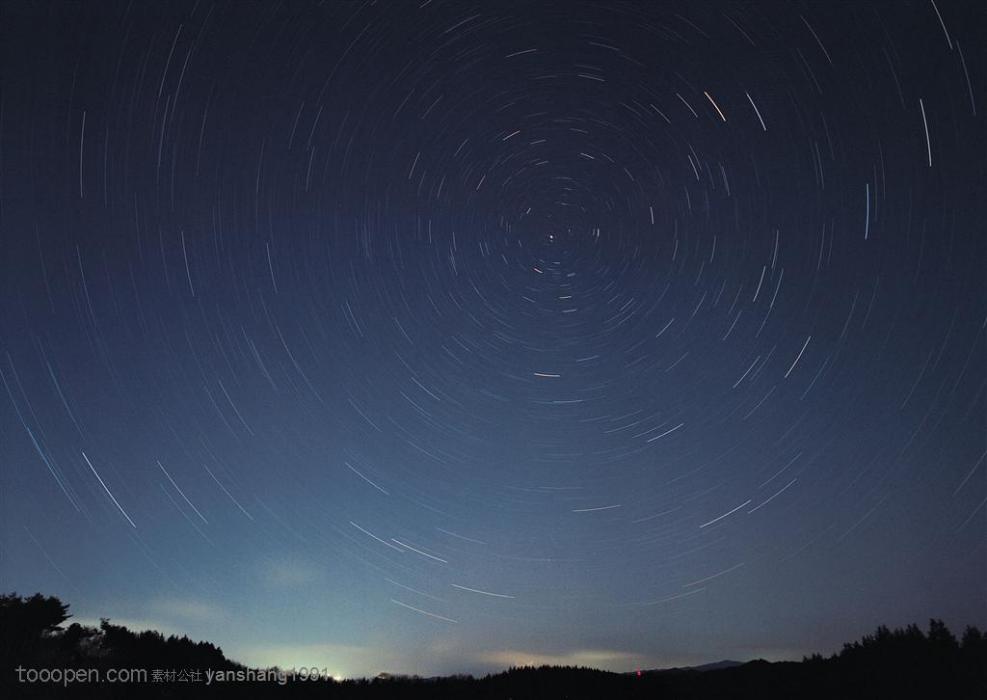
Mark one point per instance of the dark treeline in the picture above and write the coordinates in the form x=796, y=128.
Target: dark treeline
x=895, y=663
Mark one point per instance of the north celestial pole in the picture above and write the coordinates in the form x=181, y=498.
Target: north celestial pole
x=438, y=337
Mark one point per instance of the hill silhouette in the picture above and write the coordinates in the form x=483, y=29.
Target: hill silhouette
x=41, y=657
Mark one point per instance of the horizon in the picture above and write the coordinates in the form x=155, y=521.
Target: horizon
x=492, y=661
x=586, y=660
x=425, y=337
x=522, y=661
x=886, y=663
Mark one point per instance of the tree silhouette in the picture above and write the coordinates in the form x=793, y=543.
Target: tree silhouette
x=26, y=622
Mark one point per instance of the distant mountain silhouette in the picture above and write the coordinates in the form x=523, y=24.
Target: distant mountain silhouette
x=899, y=663
x=714, y=666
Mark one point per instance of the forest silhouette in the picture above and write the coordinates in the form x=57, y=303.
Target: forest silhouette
x=890, y=663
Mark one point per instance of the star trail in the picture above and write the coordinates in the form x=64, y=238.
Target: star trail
x=433, y=337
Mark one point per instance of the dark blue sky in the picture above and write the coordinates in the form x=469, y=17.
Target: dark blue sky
x=446, y=336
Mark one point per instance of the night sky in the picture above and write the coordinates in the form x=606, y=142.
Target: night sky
x=438, y=336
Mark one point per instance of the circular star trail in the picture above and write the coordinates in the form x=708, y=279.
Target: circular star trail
x=444, y=336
